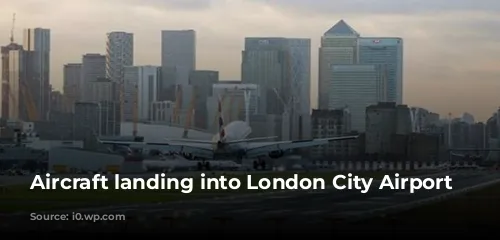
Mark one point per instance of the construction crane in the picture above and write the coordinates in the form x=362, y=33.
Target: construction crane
x=30, y=105
x=13, y=100
x=237, y=103
x=28, y=101
x=135, y=110
x=241, y=106
x=12, y=28
x=190, y=114
x=178, y=104
x=216, y=117
x=230, y=115
x=23, y=86
x=121, y=98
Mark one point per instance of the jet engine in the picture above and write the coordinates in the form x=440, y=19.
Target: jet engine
x=188, y=156
x=154, y=152
x=276, y=154
x=220, y=145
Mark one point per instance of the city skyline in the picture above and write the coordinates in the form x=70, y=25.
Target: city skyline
x=450, y=49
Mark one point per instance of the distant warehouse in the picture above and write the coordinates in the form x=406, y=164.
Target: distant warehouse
x=158, y=132
x=68, y=160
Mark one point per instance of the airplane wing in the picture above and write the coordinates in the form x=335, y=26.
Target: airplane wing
x=184, y=140
x=251, y=139
x=260, y=149
x=201, y=150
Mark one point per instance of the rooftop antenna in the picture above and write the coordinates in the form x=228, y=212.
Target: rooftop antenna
x=449, y=130
x=12, y=28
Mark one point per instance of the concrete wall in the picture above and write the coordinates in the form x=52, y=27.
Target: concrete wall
x=49, y=144
x=158, y=133
x=64, y=159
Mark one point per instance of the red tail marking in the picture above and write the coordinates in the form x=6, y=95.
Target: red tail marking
x=222, y=133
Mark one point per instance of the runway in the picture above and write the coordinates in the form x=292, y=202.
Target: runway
x=26, y=179
x=298, y=208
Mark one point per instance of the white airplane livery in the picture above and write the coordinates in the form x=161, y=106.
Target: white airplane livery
x=230, y=143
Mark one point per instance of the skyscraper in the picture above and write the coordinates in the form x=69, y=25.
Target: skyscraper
x=203, y=82
x=37, y=40
x=178, y=55
x=388, y=52
x=338, y=46
x=300, y=69
x=72, y=85
x=5, y=95
x=355, y=87
x=265, y=62
x=281, y=67
x=93, y=68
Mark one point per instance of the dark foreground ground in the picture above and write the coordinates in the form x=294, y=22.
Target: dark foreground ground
x=313, y=213
x=475, y=209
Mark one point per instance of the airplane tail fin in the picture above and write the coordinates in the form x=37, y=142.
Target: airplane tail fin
x=222, y=133
x=252, y=139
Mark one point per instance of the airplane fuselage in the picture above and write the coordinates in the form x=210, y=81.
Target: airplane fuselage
x=234, y=131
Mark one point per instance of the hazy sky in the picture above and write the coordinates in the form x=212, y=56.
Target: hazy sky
x=451, y=54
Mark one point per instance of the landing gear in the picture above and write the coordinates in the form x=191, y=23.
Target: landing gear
x=200, y=166
x=259, y=164
x=203, y=165
x=207, y=166
x=239, y=160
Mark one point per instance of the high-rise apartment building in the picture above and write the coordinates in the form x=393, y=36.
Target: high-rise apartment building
x=119, y=54
x=178, y=56
x=72, y=85
x=141, y=85
x=355, y=87
x=93, y=68
x=388, y=52
x=37, y=40
x=21, y=89
x=338, y=46
x=5, y=95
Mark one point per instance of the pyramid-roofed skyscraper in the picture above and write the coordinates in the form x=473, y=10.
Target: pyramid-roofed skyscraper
x=338, y=46
x=341, y=28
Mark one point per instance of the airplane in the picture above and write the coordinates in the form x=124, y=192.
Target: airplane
x=229, y=143
x=480, y=162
